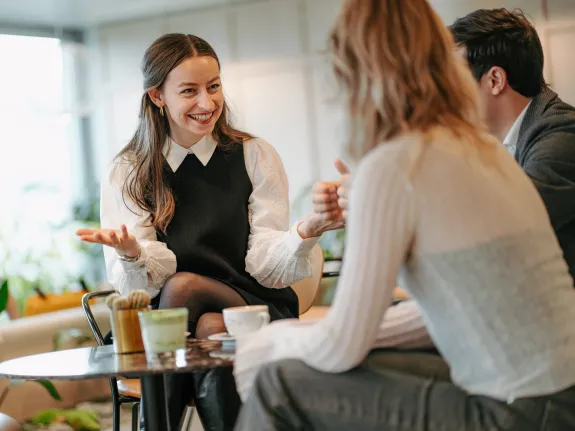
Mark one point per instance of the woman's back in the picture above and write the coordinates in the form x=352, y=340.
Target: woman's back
x=486, y=268
x=465, y=230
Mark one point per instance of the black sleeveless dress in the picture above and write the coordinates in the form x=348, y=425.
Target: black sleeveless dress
x=210, y=229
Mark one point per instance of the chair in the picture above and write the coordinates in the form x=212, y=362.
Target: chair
x=123, y=391
x=307, y=289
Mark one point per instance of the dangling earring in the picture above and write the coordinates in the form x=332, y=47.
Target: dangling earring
x=162, y=111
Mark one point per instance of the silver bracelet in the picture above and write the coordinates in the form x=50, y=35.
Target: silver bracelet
x=130, y=259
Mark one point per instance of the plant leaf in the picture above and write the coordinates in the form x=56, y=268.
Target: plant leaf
x=3, y=295
x=49, y=386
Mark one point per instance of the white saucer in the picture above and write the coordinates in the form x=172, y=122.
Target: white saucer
x=222, y=355
x=224, y=337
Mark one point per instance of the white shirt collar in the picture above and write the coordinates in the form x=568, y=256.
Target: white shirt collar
x=175, y=154
x=512, y=136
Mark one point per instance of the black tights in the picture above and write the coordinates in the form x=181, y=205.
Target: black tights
x=214, y=391
x=205, y=298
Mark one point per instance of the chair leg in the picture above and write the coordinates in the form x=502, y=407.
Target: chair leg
x=116, y=417
x=135, y=416
x=115, y=404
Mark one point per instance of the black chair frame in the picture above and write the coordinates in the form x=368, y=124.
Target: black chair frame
x=117, y=398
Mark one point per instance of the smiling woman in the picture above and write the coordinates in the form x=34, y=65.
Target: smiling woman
x=203, y=213
x=182, y=83
x=200, y=101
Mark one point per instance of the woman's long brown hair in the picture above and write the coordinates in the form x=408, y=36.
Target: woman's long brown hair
x=145, y=184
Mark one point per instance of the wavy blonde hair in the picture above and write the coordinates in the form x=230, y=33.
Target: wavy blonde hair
x=396, y=63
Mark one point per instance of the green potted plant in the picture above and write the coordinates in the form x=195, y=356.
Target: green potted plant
x=55, y=259
x=6, y=422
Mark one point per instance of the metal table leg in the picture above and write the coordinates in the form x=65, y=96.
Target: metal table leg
x=154, y=400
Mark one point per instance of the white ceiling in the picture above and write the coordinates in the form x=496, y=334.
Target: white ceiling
x=82, y=13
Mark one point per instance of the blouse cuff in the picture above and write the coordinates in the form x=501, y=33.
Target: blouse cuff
x=298, y=245
x=137, y=265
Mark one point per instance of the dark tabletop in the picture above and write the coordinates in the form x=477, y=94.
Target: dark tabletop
x=96, y=362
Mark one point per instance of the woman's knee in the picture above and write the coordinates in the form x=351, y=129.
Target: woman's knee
x=179, y=289
x=181, y=280
x=209, y=324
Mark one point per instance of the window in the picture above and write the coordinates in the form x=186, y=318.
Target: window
x=38, y=166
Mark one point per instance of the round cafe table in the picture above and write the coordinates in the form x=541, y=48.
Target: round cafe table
x=98, y=362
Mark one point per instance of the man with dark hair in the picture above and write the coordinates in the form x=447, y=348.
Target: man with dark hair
x=505, y=55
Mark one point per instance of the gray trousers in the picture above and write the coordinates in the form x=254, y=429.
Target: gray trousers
x=390, y=391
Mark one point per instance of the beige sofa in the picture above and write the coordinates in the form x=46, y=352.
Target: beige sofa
x=35, y=334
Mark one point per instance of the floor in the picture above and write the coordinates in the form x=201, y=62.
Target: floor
x=104, y=411
x=126, y=421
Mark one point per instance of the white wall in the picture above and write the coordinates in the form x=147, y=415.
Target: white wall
x=559, y=39
x=274, y=72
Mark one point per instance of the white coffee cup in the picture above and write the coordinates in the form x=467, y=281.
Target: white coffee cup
x=243, y=320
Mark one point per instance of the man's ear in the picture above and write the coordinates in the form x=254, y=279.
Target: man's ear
x=496, y=80
x=156, y=97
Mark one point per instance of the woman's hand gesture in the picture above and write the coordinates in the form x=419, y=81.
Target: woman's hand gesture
x=329, y=204
x=330, y=199
x=121, y=240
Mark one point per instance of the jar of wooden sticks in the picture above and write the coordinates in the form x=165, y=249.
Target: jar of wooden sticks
x=124, y=320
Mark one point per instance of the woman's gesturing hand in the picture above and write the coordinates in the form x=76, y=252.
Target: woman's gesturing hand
x=330, y=198
x=121, y=240
x=329, y=205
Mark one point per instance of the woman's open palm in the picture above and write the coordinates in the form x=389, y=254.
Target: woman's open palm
x=121, y=240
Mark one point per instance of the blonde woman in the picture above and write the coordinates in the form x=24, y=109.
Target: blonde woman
x=429, y=203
